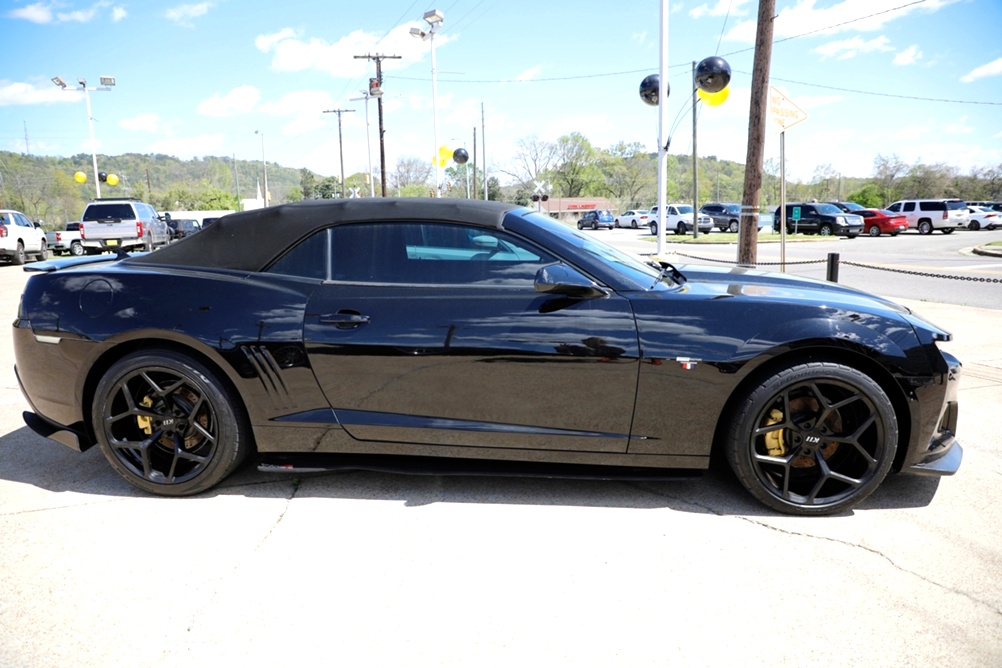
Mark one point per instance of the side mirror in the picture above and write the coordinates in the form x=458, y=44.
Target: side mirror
x=560, y=279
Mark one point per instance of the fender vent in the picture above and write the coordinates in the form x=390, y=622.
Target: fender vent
x=270, y=374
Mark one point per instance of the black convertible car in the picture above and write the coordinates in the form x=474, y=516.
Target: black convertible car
x=456, y=335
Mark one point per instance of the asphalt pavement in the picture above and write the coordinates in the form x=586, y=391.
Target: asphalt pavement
x=368, y=569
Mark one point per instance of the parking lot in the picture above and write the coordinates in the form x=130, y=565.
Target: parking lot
x=368, y=569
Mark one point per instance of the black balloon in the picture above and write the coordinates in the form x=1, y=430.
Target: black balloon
x=102, y=176
x=713, y=74
x=460, y=156
x=649, y=89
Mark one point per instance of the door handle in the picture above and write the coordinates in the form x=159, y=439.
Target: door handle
x=345, y=319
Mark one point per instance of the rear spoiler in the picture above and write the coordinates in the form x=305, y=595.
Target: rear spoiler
x=69, y=262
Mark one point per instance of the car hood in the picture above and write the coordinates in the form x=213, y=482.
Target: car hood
x=772, y=286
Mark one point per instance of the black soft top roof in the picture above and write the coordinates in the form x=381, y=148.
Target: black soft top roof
x=250, y=240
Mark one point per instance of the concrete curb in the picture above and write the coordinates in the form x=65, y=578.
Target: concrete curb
x=990, y=251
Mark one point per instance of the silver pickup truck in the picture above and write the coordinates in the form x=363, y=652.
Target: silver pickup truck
x=65, y=241
x=110, y=224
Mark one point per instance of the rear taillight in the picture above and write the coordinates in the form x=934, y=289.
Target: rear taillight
x=81, y=231
x=3, y=231
x=946, y=215
x=59, y=236
x=139, y=229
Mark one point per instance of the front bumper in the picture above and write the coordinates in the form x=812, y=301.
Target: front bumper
x=942, y=454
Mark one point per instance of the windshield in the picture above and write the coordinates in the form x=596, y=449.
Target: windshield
x=630, y=266
x=684, y=209
x=828, y=208
x=956, y=205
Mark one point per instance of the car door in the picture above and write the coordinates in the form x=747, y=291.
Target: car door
x=432, y=333
x=32, y=235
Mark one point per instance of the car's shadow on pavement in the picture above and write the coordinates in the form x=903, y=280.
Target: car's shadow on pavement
x=29, y=459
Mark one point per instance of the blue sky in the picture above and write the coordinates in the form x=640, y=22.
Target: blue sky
x=920, y=80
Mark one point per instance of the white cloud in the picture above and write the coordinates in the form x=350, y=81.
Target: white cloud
x=238, y=101
x=909, y=56
x=992, y=69
x=959, y=127
x=722, y=8
x=36, y=13
x=142, y=122
x=294, y=54
x=852, y=47
x=306, y=110
x=530, y=74
x=118, y=13
x=190, y=147
x=16, y=94
x=816, y=101
x=183, y=14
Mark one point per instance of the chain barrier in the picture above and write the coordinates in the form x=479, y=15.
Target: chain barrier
x=927, y=274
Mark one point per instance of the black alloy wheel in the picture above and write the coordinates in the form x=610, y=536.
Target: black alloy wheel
x=974, y=226
x=680, y=229
x=814, y=439
x=874, y=231
x=167, y=424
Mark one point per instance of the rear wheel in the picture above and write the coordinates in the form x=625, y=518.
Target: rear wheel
x=874, y=231
x=814, y=439
x=167, y=424
x=634, y=223
x=76, y=248
x=947, y=230
x=43, y=251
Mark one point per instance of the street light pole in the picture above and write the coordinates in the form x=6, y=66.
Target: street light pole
x=434, y=19
x=265, y=163
x=368, y=140
x=106, y=84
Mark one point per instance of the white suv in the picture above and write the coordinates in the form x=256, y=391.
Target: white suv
x=19, y=237
x=926, y=215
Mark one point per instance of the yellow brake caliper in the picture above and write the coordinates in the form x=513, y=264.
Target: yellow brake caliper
x=145, y=423
x=774, y=443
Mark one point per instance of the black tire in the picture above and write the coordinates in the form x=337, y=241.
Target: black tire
x=579, y=226
x=732, y=226
x=947, y=230
x=633, y=223
x=814, y=439
x=873, y=231
x=974, y=226
x=654, y=229
x=594, y=224
x=76, y=248
x=825, y=230
x=924, y=227
x=895, y=233
x=680, y=229
x=43, y=251
x=167, y=424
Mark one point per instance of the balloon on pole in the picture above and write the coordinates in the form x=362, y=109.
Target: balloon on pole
x=713, y=99
x=80, y=177
x=712, y=74
x=649, y=89
x=460, y=156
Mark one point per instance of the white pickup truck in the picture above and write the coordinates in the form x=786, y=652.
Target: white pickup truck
x=65, y=241
x=110, y=224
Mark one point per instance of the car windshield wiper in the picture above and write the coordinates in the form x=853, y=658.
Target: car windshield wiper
x=667, y=269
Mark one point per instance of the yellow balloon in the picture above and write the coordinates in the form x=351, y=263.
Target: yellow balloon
x=80, y=177
x=112, y=179
x=714, y=99
x=444, y=153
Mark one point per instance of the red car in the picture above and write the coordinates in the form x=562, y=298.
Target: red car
x=882, y=221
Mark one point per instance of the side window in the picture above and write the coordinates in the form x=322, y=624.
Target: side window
x=432, y=254
x=22, y=221
x=307, y=259
x=894, y=207
x=909, y=206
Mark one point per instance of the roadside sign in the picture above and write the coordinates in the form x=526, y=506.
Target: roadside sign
x=783, y=111
x=796, y=214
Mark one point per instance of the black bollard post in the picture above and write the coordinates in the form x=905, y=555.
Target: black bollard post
x=832, y=268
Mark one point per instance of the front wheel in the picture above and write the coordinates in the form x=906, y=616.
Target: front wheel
x=634, y=223
x=947, y=230
x=874, y=231
x=18, y=257
x=813, y=439
x=925, y=227
x=680, y=229
x=654, y=229
x=974, y=226
x=825, y=230
x=167, y=424
x=732, y=226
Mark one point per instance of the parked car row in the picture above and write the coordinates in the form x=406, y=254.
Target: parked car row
x=847, y=219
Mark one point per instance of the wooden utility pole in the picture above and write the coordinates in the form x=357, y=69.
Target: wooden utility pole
x=340, y=144
x=748, y=233
x=379, y=103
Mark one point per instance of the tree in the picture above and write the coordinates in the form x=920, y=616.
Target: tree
x=868, y=196
x=886, y=173
x=576, y=173
x=630, y=174
x=411, y=172
x=307, y=183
